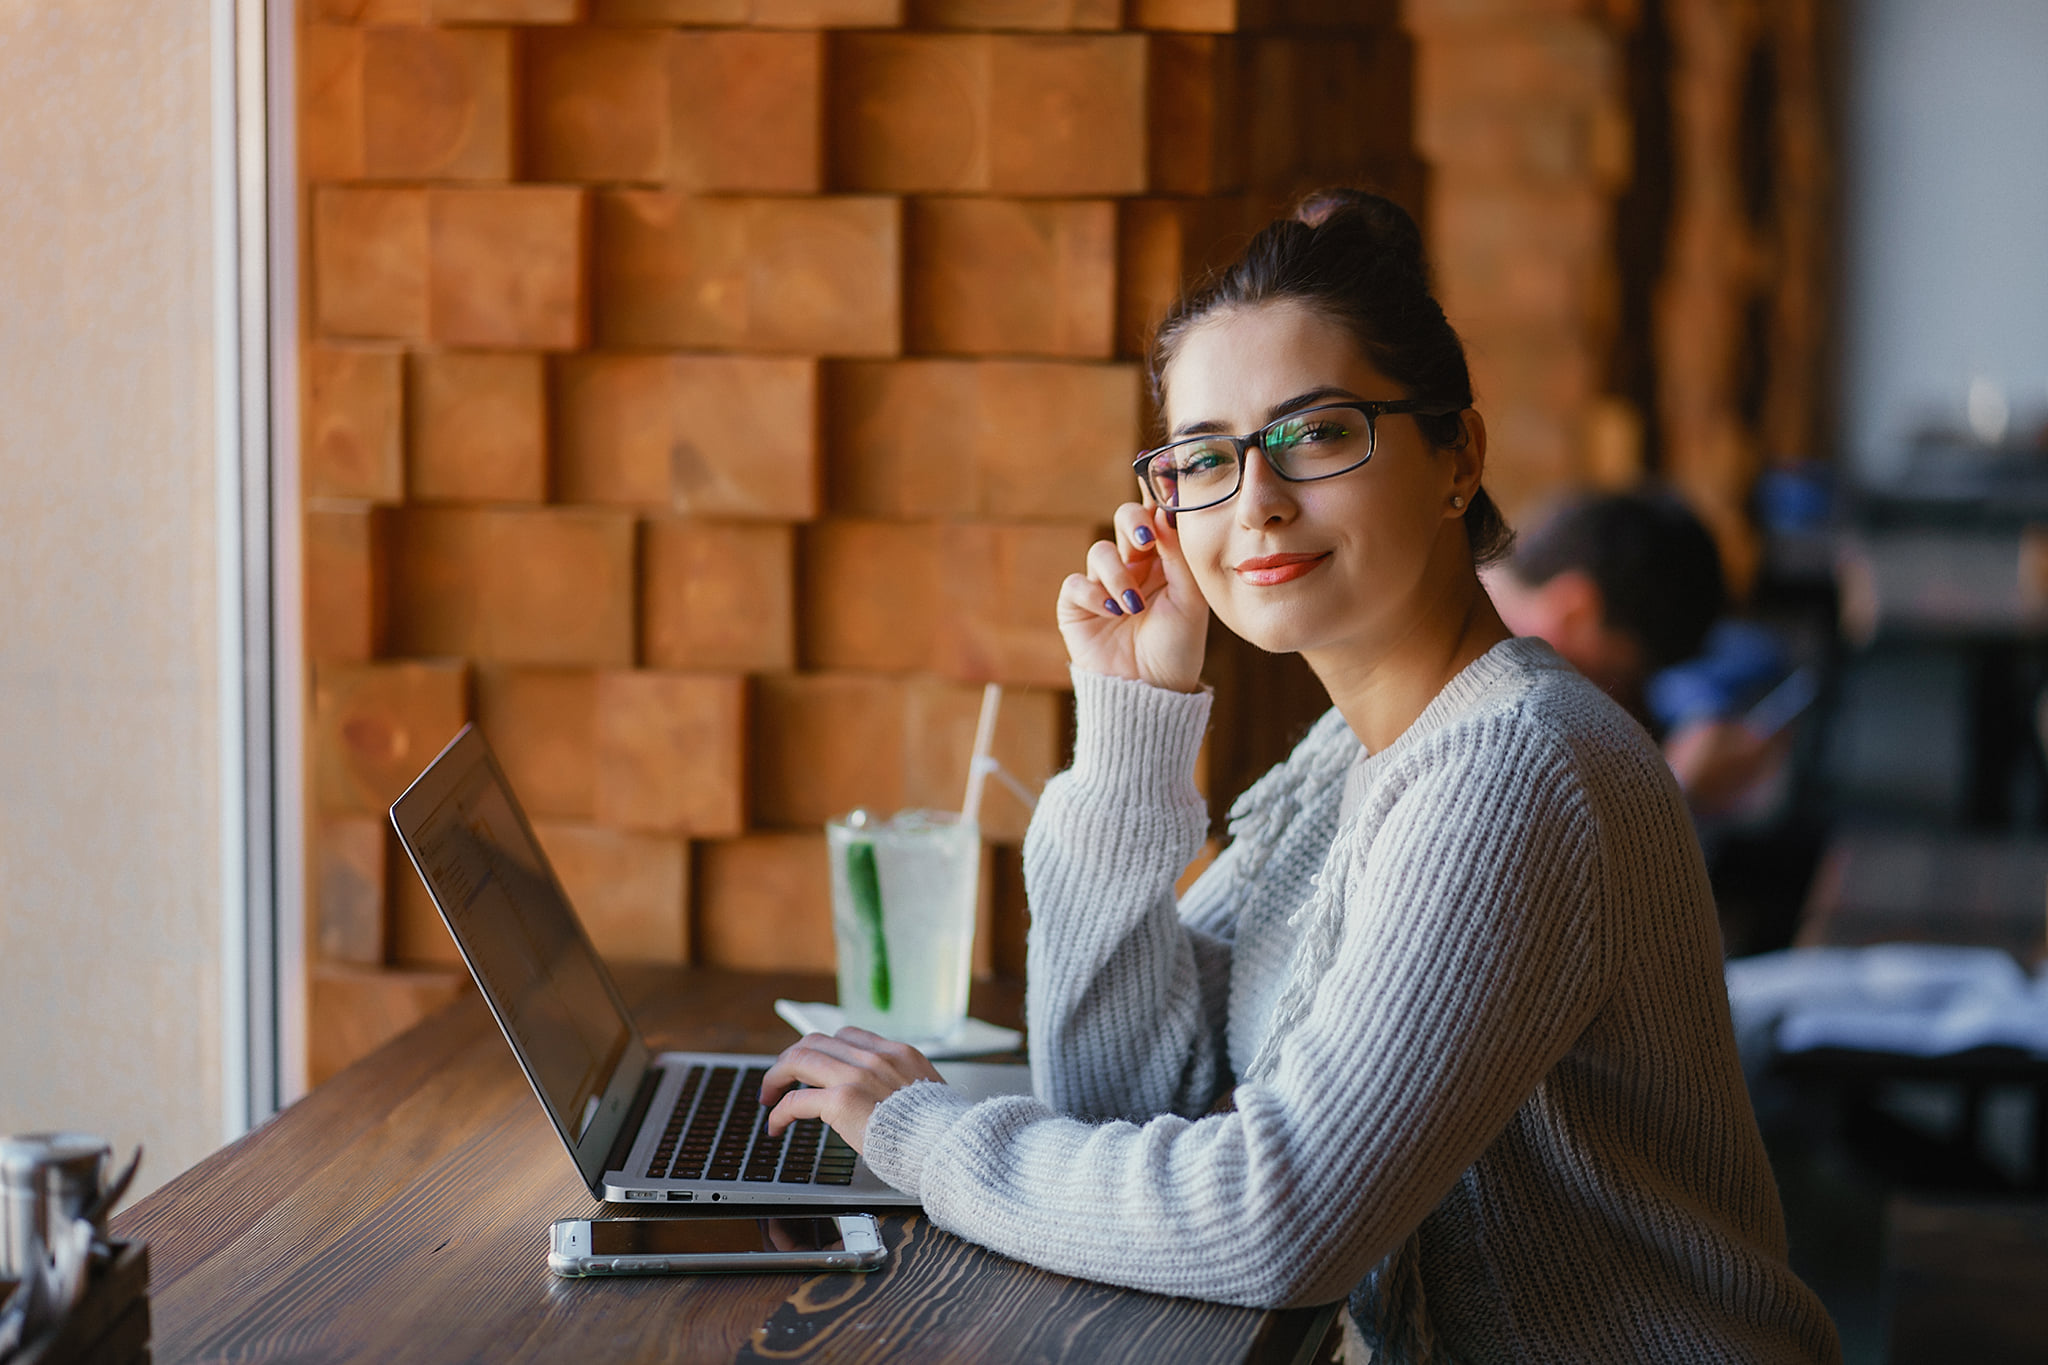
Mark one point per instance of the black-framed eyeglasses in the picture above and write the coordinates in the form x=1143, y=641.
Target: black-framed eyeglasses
x=1314, y=443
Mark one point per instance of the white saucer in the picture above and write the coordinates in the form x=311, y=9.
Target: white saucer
x=974, y=1037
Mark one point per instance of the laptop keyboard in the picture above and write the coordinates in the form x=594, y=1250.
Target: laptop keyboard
x=718, y=1131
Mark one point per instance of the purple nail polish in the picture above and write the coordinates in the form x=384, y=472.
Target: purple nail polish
x=1143, y=535
x=1132, y=602
x=1114, y=609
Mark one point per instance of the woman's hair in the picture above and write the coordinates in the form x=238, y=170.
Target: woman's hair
x=1357, y=259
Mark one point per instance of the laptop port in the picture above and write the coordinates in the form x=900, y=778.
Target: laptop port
x=679, y=1196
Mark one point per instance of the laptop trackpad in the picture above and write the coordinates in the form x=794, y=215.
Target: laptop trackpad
x=986, y=1080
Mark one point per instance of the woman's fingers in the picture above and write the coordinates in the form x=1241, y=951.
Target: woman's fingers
x=814, y=1059
x=1119, y=581
x=1135, y=533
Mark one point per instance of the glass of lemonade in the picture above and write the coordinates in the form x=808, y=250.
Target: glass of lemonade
x=903, y=902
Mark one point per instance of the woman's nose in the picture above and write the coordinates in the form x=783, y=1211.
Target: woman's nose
x=1264, y=498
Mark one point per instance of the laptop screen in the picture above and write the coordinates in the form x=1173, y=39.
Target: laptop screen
x=523, y=942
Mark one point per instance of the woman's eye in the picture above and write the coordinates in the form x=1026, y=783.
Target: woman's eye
x=1321, y=431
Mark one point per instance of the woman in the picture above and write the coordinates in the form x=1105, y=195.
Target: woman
x=1453, y=992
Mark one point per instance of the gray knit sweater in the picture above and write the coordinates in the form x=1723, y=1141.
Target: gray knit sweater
x=1469, y=992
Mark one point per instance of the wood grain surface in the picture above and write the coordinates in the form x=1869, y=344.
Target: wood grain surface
x=399, y=1213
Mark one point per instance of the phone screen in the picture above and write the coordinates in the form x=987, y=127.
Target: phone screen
x=711, y=1236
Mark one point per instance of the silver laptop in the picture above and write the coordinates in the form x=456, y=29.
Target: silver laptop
x=642, y=1127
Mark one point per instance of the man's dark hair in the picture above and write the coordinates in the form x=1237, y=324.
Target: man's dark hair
x=1654, y=562
x=1356, y=258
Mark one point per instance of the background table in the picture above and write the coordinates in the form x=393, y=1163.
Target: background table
x=400, y=1213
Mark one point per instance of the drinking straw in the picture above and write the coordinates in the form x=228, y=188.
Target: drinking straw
x=979, y=765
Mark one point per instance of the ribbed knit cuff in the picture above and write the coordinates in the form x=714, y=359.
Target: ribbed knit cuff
x=905, y=1127
x=1137, y=738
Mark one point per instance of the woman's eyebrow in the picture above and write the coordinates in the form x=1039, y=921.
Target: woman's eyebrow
x=1294, y=404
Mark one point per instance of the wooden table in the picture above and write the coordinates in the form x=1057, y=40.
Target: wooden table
x=400, y=1213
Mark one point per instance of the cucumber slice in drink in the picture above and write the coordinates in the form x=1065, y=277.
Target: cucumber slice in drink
x=866, y=886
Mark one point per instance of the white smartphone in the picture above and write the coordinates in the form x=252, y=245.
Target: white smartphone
x=693, y=1246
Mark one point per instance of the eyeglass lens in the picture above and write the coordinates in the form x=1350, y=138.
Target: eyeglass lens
x=1204, y=470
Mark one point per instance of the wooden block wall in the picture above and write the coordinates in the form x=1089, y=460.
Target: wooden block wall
x=708, y=396
x=1520, y=114
x=1630, y=206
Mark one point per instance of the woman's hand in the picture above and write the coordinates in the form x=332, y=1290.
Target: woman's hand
x=848, y=1072
x=1137, y=613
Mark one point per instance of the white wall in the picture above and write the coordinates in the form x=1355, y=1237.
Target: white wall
x=110, y=739
x=1946, y=216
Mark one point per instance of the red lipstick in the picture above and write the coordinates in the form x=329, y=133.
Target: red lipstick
x=1266, y=570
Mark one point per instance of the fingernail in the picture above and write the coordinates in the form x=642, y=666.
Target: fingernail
x=1132, y=602
x=1170, y=521
x=1143, y=535
x=1114, y=609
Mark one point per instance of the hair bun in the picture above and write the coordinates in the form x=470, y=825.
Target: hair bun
x=1371, y=224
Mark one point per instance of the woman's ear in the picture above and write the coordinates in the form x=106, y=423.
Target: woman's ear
x=1468, y=461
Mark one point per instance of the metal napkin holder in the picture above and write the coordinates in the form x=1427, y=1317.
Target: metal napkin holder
x=69, y=1294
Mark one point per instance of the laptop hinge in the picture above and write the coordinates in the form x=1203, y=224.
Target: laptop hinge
x=622, y=1145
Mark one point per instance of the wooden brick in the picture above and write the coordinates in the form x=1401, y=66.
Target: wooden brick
x=915, y=737
x=505, y=11
x=670, y=752
x=825, y=743
x=437, y=104
x=671, y=11
x=1009, y=916
x=514, y=585
x=810, y=276
x=375, y=726
x=369, y=262
x=542, y=724
x=597, y=104
x=1056, y=440
x=508, y=266
x=1006, y=276
x=717, y=596
x=1345, y=103
x=367, y=11
x=791, y=14
x=476, y=427
x=1018, y=15
x=939, y=742
x=1196, y=114
x=330, y=102
x=356, y=1010
x=911, y=112
x=1196, y=16
x=346, y=584
x=630, y=890
x=871, y=595
x=807, y=14
x=351, y=874
x=1162, y=246
x=1002, y=584
x=1079, y=423
x=746, y=111
x=657, y=432
x=764, y=903
x=354, y=412
x=882, y=458
x=1013, y=114
x=419, y=936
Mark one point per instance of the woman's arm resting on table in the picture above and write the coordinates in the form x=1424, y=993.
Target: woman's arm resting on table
x=1455, y=987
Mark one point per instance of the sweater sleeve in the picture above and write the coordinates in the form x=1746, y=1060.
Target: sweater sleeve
x=1471, y=952
x=1125, y=1002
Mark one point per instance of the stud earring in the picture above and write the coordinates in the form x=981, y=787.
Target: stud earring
x=1457, y=500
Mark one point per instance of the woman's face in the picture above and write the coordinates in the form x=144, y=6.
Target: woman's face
x=1352, y=563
